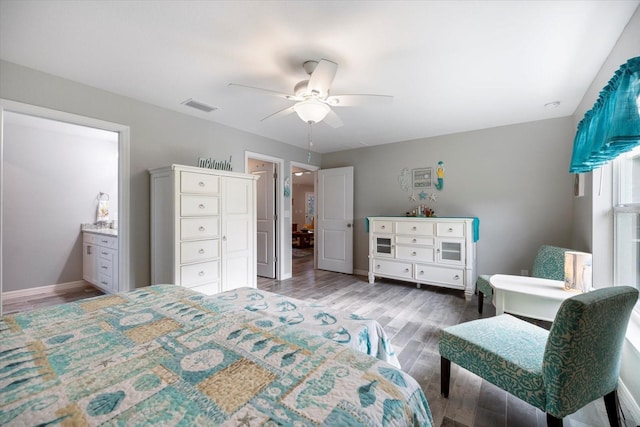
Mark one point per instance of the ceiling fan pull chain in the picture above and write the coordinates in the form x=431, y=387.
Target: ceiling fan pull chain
x=310, y=143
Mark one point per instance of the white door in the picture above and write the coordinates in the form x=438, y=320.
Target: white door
x=334, y=225
x=266, y=219
x=238, y=233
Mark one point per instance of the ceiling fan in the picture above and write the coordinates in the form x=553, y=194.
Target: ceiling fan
x=313, y=103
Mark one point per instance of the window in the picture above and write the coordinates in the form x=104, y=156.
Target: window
x=627, y=221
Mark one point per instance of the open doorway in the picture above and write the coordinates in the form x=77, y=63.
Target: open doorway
x=303, y=219
x=52, y=183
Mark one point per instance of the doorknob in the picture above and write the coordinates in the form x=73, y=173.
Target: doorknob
x=348, y=225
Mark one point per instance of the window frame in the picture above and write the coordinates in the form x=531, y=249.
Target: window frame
x=621, y=206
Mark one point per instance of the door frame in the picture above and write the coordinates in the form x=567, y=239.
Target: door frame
x=281, y=274
x=123, y=175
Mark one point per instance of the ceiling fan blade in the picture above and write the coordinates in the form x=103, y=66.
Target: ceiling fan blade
x=268, y=91
x=322, y=77
x=358, y=100
x=333, y=120
x=281, y=113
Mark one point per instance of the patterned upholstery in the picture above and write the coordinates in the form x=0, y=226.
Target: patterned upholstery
x=548, y=264
x=558, y=371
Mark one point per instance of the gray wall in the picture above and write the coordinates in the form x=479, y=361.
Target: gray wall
x=52, y=176
x=159, y=137
x=514, y=178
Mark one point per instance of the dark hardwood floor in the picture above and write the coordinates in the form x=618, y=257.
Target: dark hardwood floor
x=412, y=318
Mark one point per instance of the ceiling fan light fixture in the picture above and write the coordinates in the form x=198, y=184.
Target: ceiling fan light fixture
x=311, y=110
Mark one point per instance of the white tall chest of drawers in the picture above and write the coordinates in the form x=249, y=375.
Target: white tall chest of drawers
x=434, y=251
x=203, y=228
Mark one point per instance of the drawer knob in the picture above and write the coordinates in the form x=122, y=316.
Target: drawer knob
x=201, y=251
x=382, y=226
x=104, y=283
x=201, y=206
x=421, y=271
x=201, y=228
x=406, y=270
x=104, y=241
x=414, y=241
x=201, y=273
x=201, y=184
x=456, y=277
x=450, y=229
x=104, y=267
x=105, y=253
x=378, y=266
x=414, y=228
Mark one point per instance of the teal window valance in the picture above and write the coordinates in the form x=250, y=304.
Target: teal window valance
x=612, y=126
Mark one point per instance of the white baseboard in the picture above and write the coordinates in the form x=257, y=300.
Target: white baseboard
x=44, y=290
x=628, y=402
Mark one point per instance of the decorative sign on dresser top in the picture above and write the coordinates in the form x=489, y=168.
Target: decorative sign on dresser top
x=434, y=251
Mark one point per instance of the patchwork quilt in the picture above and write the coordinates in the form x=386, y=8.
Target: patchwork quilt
x=359, y=333
x=165, y=355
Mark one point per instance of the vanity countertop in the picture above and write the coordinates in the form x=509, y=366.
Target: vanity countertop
x=90, y=228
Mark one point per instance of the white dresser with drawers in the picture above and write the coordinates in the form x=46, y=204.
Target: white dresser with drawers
x=203, y=228
x=434, y=251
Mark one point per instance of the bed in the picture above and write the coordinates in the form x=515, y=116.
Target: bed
x=359, y=333
x=166, y=355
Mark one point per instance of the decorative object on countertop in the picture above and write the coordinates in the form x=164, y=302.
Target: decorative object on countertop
x=577, y=271
x=422, y=211
x=404, y=179
x=102, y=212
x=440, y=174
x=222, y=165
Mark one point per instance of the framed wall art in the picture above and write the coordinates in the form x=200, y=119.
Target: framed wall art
x=422, y=178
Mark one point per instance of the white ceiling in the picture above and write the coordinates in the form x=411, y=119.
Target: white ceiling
x=451, y=66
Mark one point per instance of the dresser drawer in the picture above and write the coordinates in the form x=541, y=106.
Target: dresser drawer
x=449, y=276
x=415, y=254
x=199, y=250
x=392, y=268
x=415, y=228
x=451, y=229
x=106, y=253
x=199, y=228
x=191, y=182
x=415, y=240
x=105, y=281
x=199, y=205
x=105, y=267
x=382, y=227
x=106, y=241
x=197, y=274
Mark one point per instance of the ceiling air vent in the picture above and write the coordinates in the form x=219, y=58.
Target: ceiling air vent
x=199, y=105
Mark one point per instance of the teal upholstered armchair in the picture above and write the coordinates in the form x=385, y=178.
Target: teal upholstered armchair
x=558, y=371
x=548, y=264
